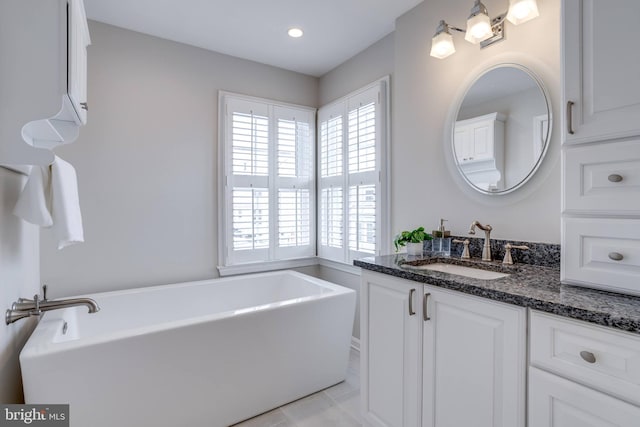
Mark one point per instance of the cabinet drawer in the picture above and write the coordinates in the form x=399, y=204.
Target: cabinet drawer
x=603, y=178
x=602, y=253
x=599, y=357
x=556, y=402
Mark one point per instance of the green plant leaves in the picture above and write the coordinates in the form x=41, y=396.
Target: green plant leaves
x=416, y=236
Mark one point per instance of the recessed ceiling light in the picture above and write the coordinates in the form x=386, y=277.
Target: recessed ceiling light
x=295, y=32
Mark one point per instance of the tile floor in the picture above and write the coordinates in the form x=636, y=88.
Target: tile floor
x=337, y=406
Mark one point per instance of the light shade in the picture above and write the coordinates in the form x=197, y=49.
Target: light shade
x=442, y=45
x=522, y=11
x=478, y=28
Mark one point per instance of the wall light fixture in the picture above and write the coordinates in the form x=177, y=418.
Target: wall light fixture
x=481, y=28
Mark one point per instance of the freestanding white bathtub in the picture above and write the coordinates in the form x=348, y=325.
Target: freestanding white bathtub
x=208, y=353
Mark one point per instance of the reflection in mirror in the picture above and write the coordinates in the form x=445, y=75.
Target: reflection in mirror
x=502, y=129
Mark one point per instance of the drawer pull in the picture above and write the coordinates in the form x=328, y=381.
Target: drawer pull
x=411, y=310
x=616, y=256
x=614, y=177
x=588, y=357
x=425, y=308
x=570, y=118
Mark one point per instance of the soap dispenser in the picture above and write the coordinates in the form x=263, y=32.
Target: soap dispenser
x=441, y=244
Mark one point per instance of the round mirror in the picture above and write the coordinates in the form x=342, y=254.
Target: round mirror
x=502, y=129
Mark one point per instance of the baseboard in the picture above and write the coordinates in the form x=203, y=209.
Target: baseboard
x=355, y=343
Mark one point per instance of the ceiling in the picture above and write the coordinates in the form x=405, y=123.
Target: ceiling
x=334, y=30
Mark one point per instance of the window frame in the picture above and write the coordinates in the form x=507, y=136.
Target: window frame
x=343, y=106
x=383, y=208
x=235, y=262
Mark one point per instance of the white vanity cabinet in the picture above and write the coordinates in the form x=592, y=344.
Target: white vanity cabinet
x=474, y=361
x=582, y=374
x=44, y=77
x=390, y=332
x=601, y=72
x=433, y=358
x=601, y=179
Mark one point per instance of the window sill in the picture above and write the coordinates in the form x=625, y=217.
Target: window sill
x=340, y=266
x=259, y=267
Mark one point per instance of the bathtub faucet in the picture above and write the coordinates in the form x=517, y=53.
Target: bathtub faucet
x=36, y=306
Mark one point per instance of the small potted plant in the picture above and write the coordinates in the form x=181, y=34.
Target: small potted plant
x=413, y=240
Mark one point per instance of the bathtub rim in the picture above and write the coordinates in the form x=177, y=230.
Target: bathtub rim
x=42, y=340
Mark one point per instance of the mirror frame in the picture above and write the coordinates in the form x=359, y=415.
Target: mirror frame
x=456, y=110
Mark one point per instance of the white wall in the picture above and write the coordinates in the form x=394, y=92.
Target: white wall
x=366, y=67
x=19, y=277
x=369, y=65
x=423, y=189
x=423, y=186
x=147, y=160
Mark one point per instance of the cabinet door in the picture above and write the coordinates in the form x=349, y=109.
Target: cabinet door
x=601, y=74
x=390, y=351
x=482, y=141
x=556, y=402
x=474, y=362
x=78, y=40
x=462, y=143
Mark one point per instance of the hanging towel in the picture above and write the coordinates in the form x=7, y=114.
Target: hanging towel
x=50, y=199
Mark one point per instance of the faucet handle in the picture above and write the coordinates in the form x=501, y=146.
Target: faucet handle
x=44, y=292
x=507, y=252
x=465, y=251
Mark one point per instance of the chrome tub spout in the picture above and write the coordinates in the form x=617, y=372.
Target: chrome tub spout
x=48, y=305
x=35, y=307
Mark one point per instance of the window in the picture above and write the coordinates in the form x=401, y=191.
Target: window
x=352, y=175
x=268, y=180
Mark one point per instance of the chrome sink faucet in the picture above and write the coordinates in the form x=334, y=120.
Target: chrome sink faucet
x=486, y=249
x=36, y=306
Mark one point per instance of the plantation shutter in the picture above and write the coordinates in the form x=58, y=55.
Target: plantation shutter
x=295, y=183
x=363, y=178
x=332, y=207
x=350, y=161
x=269, y=181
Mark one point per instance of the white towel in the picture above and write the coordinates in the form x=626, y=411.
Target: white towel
x=50, y=199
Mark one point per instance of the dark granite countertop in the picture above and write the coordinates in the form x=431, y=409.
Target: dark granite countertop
x=532, y=286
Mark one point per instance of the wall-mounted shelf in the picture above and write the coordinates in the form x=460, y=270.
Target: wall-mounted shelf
x=43, y=87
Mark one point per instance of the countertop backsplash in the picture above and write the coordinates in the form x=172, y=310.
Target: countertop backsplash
x=541, y=254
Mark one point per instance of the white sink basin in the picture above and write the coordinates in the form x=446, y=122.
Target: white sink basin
x=460, y=270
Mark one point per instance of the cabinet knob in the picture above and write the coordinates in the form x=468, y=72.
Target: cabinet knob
x=614, y=177
x=84, y=106
x=588, y=357
x=616, y=256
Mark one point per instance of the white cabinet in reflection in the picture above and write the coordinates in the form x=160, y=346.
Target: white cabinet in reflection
x=479, y=150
